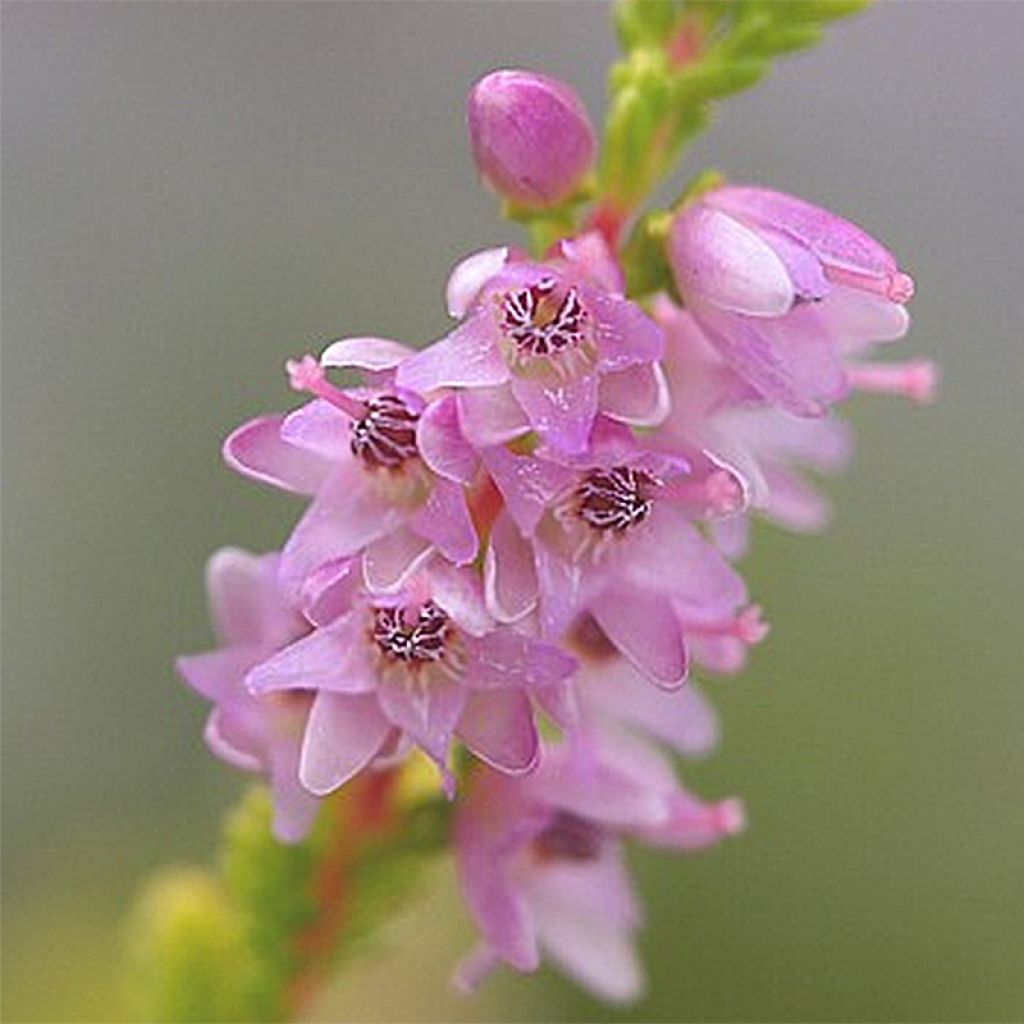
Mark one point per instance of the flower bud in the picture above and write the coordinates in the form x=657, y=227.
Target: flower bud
x=531, y=137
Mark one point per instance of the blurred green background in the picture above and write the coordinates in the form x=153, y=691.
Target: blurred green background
x=194, y=191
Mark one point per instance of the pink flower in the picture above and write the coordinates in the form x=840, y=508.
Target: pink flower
x=540, y=858
x=606, y=534
x=423, y=665
x=788, y=293
x=531, y=137
x=255, y=733
x=543, y=347
x=388, y=471
x=718, y=422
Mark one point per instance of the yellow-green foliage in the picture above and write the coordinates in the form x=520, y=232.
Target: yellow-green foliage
x=229, y=947
x=658, y=105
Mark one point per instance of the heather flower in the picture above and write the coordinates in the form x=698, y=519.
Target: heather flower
x=255, y=733
x=387, y=470
x=718, y=421
x=531, y=137
x=422, y=665
x=540, y=858
x=607, y=458
x=543, y=347
x=790, y=294
x=609, y=689
x=606, y=534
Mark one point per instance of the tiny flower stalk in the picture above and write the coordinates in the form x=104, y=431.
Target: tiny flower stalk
x=519, y=557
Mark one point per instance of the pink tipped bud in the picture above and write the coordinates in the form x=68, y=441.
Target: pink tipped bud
x=531, y=137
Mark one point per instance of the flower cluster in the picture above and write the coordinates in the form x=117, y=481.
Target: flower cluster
x=520, y=540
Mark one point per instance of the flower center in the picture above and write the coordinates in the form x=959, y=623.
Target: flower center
x=386, y=435
x=616, y=498
x=568, y=837
x=541, y=322
x=423, y=641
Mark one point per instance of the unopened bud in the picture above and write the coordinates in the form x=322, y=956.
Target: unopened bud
x=531, y=136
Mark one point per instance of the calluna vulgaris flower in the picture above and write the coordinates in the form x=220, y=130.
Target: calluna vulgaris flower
x=520, y=540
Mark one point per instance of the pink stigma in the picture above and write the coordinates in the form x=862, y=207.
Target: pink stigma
x=748, y=627
x=307, y=375
x=897, y=287
x=730, y=817
x=917, y=379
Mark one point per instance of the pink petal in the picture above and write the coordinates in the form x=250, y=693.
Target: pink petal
x=667, y=555
x=682, y=718
x=459, y=593
x=856, y=319
x=506, y=658
x=444, y=520
x=526, y=483
x=245, y=602
x=584, y=784
x=590, y=254
x=791, y=360
x=731, y=536
x=599, y=956
x=804, y=268
x=560, y=410
x=217, y=675
x=560, y=584
x=342, y=736
x=491, y=416
x=645, y=629
x=320, y=428
x=295, y=809
x=481, y=849
x=719, y=261
x=509, y=574
x=425, y=708
x=638, y=395
x=221, y=745
x=335, y=658
x=470, y=276
x=329, y=593
x=348, y=513
x=441, y=443
x=468, y=357
x=366, y=354
x=558, y=702
x=623, y=332
x=796, y=505
x=256, y=450
x=389, y=562
x=832, y=238
x=498, y=727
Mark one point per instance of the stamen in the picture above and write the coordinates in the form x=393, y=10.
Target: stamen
x=385, y=436
x=616, y=498
x=916, y=379
x=568, y=837
x=540, y=324
x=423, y=642
x=307, y=375
x=898, y=287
